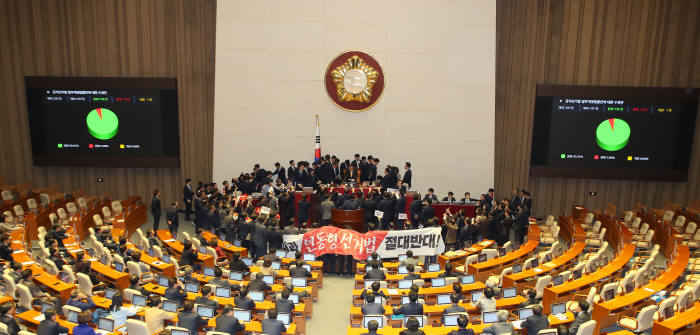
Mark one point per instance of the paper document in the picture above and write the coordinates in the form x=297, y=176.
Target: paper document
x=392, y=291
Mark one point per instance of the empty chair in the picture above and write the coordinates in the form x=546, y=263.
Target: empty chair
x=186, y=236
x=643, y=321
x=24, y=296
x=84, y=283
x=668, y=216
x=45, y=199
x=550, y=238
x=634, y=226
x=565, y=275
x=596, y=229
x=7, y=195
x=10, y=286
x=490, y=253
x=157, y=252
x=596, y=241
x=68, y=270
x=52, y=218
x=541, y=284
x=642, y=230
x=645, y=242
x=680, y=221
x=588, y=220
x=629, y=215
x=106, y=212
x=129, y=294
x=32, y=205
x=98, y=220
x=72, y=208
x=134, y=268
x=9, y=218
x=627, y=280
x=508, y=246
x=661, y=311
x=62, y=215
x=50, y=266
x=82, y=203
x=19, y=211
x=528, y=263
x=690, y=230
x=497, y=281
x=587, y=328
x=116, y=207
x=136, y=327
x=695, y=241
x=196, y=243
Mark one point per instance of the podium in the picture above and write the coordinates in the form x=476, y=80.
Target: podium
x=348, y=219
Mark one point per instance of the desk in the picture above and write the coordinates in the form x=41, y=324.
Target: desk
x=119, y=279
x=607, y=313
x=677, y=324
x=441, y=208
x=460, y=256
x=29, y=318
x=226, y=246
x=519, y=280
x=348, y=219
x=176, y=248
x=564, y=292
x=430, y=293
x=482, y=271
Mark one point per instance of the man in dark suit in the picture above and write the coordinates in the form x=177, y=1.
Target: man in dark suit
x=514, y=199
x=450, y=198
x=172, y=218
x=243, y=231
x=243, y=301
x=274, y=237
x=205, y=298
x=272, y=326
x=303, y=209
x=156, y=209
x=174, y=291
x=259, y=238
x=376, y=273
x=371, y=307
x=279, y=172
x=407, y=175
x=410, y=268
x=357, y=163
x=188, y=319
x=292, y=172
x=188, y=194
x=49, y=326
x=257, y=284
x=521, y=223
x=467, y=200
x=454, y=307
x=582, y=316
x=7, y=311
x=427, y=212
x=189, y=255
x=536, y=322
x=415, y=209
x=290, y=229
x=400, y=209
x=386, y=206
x=527, y=200
x=227, y=323
x=412, y=307
x=431, y=195
x=299, y=270
x=462, y=323
x=284, y=305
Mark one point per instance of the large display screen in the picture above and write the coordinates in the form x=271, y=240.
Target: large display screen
x=613, y=132
x=98, y=121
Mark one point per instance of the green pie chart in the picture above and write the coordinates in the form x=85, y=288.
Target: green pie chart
x=102, y=123
x=613, y=134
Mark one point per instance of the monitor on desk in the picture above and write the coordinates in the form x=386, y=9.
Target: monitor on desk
x=468, y=279
x=280, y=253
x=299, y=282
x=309, y=257
x=402, y=270
x=548, y=332
x=367, y=318
x=118, y=266
x=247, y=261
x=91, y=252
x=151, y=252
x=559, y=308
x=72, y=316
x=668, y=312
x=276, y=265
x=170, y=306
x=629, y=287
x=418, y=317
x=501, y=252
x=105, y=324
x=45, y=306
x=405, y=283
x=368, y=283
x=433, y=267
x=577, y=274
x=489, y=317
x=205, y=311
x=548, y=257
x=163, y=281
x=368, y=268
x=286, y=318
x=257, y=296
x=307, y=267
x=534, y=263
x=443, y=299
x=192, y=287
x=104, y=260
x=269, y=280
x=146, y=277
x=476, y=295
x=66, y=278
x=437, y=282
x=138, y=300
x=237, y=243
x=166, y=258
x=451, y=320
x=509, y=292
x=294, y=297
x=223, y=292
x=482, y=258
x=402, y=257
x=242, y=315
x=609, y=294
x=405, y=300
x=517, y=268
x=179, y=332
x=208, y=271
x=557, y=280
x=235, y=275
x=524, y=313
x=222, y=236
x=109, y=293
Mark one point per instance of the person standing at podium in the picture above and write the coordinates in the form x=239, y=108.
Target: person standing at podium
x=156, y=209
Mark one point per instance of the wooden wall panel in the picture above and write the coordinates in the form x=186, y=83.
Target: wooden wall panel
x=116, y=38
x=589, y=42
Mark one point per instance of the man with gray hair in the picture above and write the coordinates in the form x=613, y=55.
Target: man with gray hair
x=500, y=327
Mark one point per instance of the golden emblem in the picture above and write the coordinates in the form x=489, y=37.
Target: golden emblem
x=354, y=80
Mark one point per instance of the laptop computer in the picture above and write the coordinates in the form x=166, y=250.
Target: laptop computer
x=269, y=280
x=118, y=266
x=109, y=293
x=166, y=258
x=367, y=318
x=451, y=320
x=163, y=281
x=437, y=282
x=476, y=295
x=299, y=282
x=170, y=306
x=286, y=318
x=276, y=265
x=138, y=300
x=223, y=292
x=433, y=267
x=294, y=297
x=557, y=280
x=559, y=308
x=482, y=258
x=509, y=292
x=517, y=268
x=236, y=276
x=443, y=299
x=524, y=313
x=72, y=316
x=257, y=296
x=280, y=253
x=242, y=315
x=468, y=279
x=180, y=332
x=489, y=317
x=405, y=283
x=205, y=311
x=192, y=287
x=309, y=258
x=402, y=257
x=402, y=270
x=208, y=271
x=105, y=325
x=247, y=261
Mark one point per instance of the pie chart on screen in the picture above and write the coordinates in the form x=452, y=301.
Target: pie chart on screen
x=613, y=134
x=102, y=123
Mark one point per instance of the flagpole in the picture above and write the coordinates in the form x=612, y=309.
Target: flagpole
x=317, y=148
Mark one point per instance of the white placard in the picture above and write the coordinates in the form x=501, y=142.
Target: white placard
x=265, y=210
x=403, y=216
x=378, y=214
